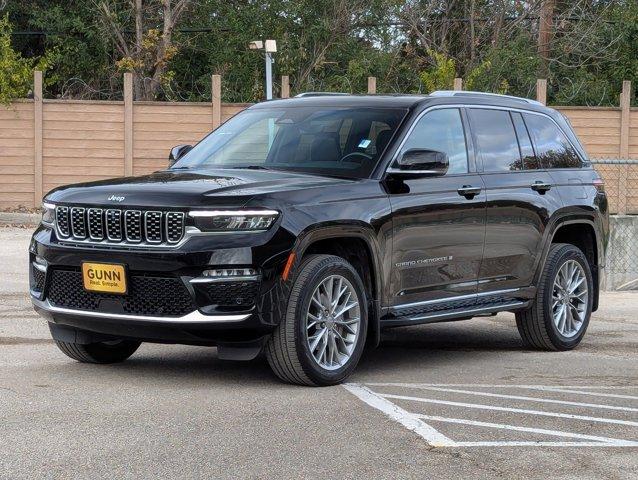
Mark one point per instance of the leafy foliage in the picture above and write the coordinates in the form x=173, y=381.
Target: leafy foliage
x=411, y=46
x=16, y=72
x=441, y=75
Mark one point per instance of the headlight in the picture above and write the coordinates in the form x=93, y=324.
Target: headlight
x=48, y=214
x=233, y=220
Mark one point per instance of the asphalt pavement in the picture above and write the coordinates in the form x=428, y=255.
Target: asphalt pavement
x=450, y=400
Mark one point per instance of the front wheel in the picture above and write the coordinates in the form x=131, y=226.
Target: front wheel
x=100, y=352
x=321, y=337
x=559, y=316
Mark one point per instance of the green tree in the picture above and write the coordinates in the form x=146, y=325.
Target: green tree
x=16, y=72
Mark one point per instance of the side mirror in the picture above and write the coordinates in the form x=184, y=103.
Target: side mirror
x=417, y=163
x=178, y=152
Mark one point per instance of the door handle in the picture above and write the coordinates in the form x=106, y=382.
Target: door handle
x=468, y=191
x=540, y=186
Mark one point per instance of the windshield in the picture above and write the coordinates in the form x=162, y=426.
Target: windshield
x=330, y=141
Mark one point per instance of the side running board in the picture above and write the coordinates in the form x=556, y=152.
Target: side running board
x=416, y=318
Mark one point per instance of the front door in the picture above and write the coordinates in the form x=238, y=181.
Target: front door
x=438, y=222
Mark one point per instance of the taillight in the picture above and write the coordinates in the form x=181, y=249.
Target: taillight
x=599, y=183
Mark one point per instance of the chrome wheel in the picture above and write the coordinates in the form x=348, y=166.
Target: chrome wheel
x=570, y=299
x=333, y=322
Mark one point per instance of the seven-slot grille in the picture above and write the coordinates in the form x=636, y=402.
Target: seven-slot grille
x=119, y=226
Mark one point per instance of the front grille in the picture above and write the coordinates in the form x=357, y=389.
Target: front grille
x=62, y=221
x=114, y=225
x=133, y=225
x=119, y=226
x=231, y=294
x=78, y=222
x=174, y=226
x=96, y=223
x=147, y=295
x=153, y=227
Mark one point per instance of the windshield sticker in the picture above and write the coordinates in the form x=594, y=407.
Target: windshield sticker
x=365, y=143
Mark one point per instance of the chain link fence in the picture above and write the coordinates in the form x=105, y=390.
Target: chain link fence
x=621, y=185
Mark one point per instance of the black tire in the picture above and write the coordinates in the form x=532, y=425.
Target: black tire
x=287, y=350
x=102, y=352
x=536, y=324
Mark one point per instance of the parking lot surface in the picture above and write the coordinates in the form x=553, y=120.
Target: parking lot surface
x=450, y=400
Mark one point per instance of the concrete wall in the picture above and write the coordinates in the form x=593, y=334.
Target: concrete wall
x=621, y=270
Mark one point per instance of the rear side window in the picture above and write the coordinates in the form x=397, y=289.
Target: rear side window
x=551, y=145
x=496, y=140
x=530, y=162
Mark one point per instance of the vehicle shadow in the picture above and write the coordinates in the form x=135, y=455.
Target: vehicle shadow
x=401, y=349
x=450, y=344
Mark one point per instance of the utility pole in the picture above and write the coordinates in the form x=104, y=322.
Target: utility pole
x=545, y=31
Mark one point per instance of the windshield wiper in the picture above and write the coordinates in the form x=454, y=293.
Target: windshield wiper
x=252, y=167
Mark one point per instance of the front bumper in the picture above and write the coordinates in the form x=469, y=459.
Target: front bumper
x=207, y=322
x=193, y=317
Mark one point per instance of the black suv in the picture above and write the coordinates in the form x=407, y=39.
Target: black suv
x=303, y=227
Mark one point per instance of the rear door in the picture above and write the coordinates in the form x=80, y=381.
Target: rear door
x=559, y=156
x=520, y=198
x=438, y=228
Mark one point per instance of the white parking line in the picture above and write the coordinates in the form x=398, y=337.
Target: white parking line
x=529, y=399
x=409, y=421
x=555, y=433
x=541, y=444
x=582, y=392
x=416, y=421
x=502, y=385
x=514, y=410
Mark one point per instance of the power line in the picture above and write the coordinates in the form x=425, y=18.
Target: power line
x=356, y=25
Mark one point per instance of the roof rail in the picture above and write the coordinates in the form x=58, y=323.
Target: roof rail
x=320, y=94
x=455, y=93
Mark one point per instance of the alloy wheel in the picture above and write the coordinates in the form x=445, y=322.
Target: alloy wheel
x=570, y=298
x=333, y=322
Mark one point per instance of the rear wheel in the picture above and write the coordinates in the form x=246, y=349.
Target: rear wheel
x=559, y=316
x=321, y=337
x=102, y=352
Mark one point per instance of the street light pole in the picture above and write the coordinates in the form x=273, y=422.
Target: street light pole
x=269, y=47
x=268, y=76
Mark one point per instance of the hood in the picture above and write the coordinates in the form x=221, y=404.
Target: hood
x=188, y=188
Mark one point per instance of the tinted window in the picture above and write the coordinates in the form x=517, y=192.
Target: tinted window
x=530, y=162
x=328, y=140
x=552, y=147
x=496, y=140
x=441, y=130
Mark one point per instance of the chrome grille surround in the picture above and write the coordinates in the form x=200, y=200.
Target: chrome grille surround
x=174, y=226
x=112, y=227
x=133, y=226
x=78, y=222
x=153, y=226
x=96, y=223
x=62, y=221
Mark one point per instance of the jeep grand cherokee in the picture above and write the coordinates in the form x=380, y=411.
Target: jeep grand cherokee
x=304, y=227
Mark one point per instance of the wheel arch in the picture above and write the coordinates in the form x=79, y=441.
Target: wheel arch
x=583, y=233
x=333, y=239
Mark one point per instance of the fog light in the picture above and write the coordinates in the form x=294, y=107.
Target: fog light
x=230, y=272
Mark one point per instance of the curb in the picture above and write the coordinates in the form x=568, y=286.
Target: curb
x=26, y=219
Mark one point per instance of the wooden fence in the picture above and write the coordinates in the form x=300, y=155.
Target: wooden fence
x=45, y=143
